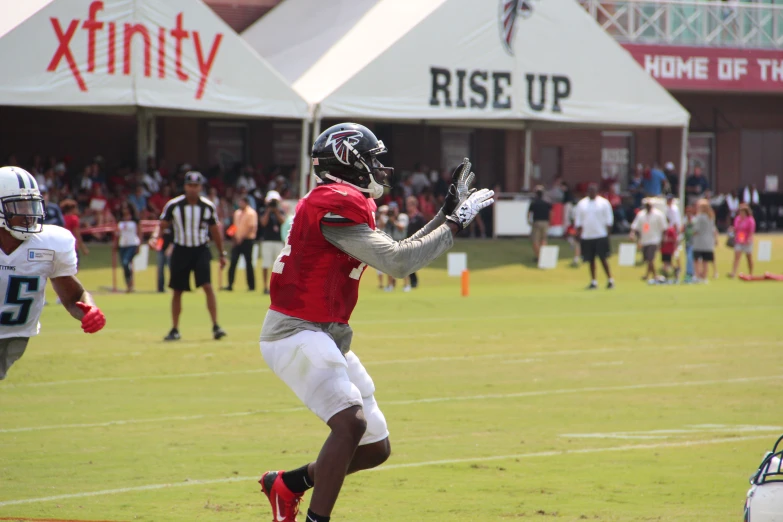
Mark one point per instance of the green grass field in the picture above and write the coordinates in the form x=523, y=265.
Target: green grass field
x=532, y=399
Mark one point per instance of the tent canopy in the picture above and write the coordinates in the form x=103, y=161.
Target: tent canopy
x=115, y=55
x=501, y=62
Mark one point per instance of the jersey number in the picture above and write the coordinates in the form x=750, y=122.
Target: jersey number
x=279, y=265
x=14, y=297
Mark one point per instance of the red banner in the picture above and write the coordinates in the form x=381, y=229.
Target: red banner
x=711, y=68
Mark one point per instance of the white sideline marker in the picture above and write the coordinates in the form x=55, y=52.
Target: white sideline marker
x=456, y=263
x=765, y=251
x=627, y=255
x=547, y=257
x=142, y=260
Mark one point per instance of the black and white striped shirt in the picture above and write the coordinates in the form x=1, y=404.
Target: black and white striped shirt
x=190, y=223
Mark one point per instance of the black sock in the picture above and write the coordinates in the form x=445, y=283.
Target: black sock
x=215, y=327
x=312, y=517
x=298, y=482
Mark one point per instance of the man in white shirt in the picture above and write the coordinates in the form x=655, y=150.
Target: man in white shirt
x=649, y=226
x=673, y=213
x=594, y=219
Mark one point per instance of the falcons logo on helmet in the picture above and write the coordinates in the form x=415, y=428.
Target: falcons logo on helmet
x=339, y=141
x=509, y=11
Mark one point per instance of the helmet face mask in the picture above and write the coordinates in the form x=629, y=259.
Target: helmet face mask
x=21, y=204
x=346, y=153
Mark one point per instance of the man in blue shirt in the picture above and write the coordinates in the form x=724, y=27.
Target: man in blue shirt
x=655, y=182
x=54, y=215
x=696, y=184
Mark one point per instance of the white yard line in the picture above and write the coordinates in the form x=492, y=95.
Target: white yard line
x=426, y=400
x=402, y=361
x=391, y=467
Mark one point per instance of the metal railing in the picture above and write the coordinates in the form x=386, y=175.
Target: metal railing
x=691, y=22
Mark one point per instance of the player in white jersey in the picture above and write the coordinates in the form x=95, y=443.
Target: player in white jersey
x=31, y=253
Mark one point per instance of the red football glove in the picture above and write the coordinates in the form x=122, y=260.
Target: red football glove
x=93, y=320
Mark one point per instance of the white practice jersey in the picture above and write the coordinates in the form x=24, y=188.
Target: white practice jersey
x=23, y=275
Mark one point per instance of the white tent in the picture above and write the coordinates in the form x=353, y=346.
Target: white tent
x=123, y=56
x=503, y=63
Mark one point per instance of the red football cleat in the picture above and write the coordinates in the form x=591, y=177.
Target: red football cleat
x=285, y=503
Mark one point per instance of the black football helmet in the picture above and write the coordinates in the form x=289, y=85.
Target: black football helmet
x=346, y=153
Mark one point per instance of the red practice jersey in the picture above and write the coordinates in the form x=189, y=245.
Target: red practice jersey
x=669, y=243
x=312, y=279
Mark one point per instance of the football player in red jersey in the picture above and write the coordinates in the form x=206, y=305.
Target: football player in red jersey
x=306, y=339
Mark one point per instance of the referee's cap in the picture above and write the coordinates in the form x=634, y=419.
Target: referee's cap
x=194, y=178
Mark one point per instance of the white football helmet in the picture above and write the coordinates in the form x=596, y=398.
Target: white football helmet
x=765, y=497
x=20, y=197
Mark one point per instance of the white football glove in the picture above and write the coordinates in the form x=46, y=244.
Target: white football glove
x=469, y=209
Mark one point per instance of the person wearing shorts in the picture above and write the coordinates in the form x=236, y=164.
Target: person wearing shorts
x=705, y=238
x=648, y=227
x=744, y=228
x=593, y=219
x=193, y=219
x=271, y=221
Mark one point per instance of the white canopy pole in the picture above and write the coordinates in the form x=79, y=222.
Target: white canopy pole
x=316, y=133
x=683, y=171
x=304, y=158
x=528, y=158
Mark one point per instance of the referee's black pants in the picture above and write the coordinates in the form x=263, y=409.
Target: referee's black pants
x=245, y=249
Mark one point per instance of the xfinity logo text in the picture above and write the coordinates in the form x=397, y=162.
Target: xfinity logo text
x=119, y=41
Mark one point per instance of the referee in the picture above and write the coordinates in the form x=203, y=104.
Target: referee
x=193, y=220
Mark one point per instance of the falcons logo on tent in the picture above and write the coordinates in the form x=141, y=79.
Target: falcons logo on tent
x=340, y=139
x=509, y=11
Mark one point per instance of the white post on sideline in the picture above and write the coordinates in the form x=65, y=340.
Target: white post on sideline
x=547, y=257
x=142, y=260
x=765, y=251
x=456, y=262
x=627, y=255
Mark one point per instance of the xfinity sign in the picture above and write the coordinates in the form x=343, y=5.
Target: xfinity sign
x=119, y=40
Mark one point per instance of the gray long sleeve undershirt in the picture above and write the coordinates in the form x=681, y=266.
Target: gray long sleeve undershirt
x=396, y=258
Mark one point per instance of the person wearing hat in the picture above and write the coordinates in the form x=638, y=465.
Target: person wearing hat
x=193, y=220
x=271, y=221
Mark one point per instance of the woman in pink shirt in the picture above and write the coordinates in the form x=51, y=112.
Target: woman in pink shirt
x=744, y=228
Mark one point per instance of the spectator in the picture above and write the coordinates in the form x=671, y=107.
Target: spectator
x=672, y=177
x=556, y=193
x=246, y=182
x=733, y=203
x=687, y=232
x=636, y=186
x=157, y=201
x=416, y=222
x=744, y=228
x=54, y=215
x=419, y=179
x=138, y=199
x=71, y=219
x=285, y=228
x=648, y=227
x=397, y=228
x=162, y=242
x=381, y=220
x=696, y=185
x=245, y=228
x=85, y=181
x=655, y=182
x=441, y=187
x=271, y=240
x=152, y=179
x=668, y=249
x=242, y=192
x=128, y=241
x=705, y=238
x=427, y=203
x=673, y=212
x=594, y=220
x=538, y=218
